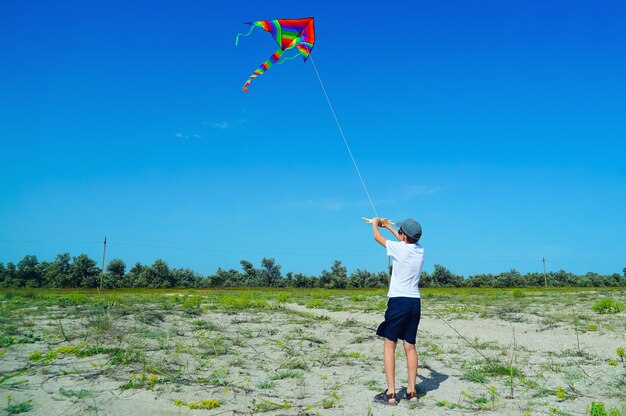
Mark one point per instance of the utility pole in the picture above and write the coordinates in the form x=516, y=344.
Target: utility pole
x=104, y=252
x=545, y=278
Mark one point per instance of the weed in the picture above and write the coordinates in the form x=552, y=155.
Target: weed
x=202, y=324
x=100, y=322
x=518, y=293
x=147, y=380
x=373, y=385
x=150, y=317
x=262, y=405
x=331, y=400
x=7, y=341
x=359, y=339
x=80, y=394
x=315, y=304
x=436, y=350
x=127, y=356
x=218, y=377
x=475, y=377
x=213, y=346
x=18, y=407
x=282, y=374
x=621, y=353
x=556, y=411
x=502, y=370
x=350, y=323
x=354, y=354
x=598, y=409
x=560, y=393
x=284, y=298
x=607, y=306
x=3, y=380
x=294, y=364
x=572, y=378
x=191, y=305
x=202, y=404
x=479, y=402
x=576, y=353
x=265, y=385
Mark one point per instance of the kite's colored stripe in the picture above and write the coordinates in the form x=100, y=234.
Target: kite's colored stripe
x=289, y=34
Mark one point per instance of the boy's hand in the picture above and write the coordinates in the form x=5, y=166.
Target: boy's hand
x=381, y=222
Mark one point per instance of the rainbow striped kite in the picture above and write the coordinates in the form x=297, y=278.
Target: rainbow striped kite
x=289, y=33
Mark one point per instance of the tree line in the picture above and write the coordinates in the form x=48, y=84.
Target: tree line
x=81, y=271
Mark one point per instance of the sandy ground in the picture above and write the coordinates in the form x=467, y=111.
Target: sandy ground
x=294, y=360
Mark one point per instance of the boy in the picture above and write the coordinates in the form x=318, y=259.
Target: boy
x=403, y=308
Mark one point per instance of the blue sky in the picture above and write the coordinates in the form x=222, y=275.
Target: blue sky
x=499, y=126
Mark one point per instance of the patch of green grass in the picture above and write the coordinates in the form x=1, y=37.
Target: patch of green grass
x=127, y=356
x=354, y=354
x=496, y=369
x=331, y=400
x=294, y=363
x=15, y=408
x=435, y=349
x=284, y=297
x=218, y=377
x=243, y=302
x=6, y=341
x=143, y=380
x=100, y=322
x=266, y=385
x=598, y=409
x=475, y=377
x=213, y=346
x=518, y=293
x=191, y=305
x=202, y=324
x=79, y=394
x=373, y=385
x=608, y=306
x=283, y=374
x=315, y=304
x=350, y=323
x=150, y=317
x=262, y=405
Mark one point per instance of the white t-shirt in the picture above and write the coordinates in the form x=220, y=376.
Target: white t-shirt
x=407, y=269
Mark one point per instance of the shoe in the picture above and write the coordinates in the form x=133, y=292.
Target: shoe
x=387, y=399
x=411, y=396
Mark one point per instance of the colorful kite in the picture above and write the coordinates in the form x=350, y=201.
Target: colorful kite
x=289, y=33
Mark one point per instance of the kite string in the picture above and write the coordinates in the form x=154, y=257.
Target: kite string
x=344, y=137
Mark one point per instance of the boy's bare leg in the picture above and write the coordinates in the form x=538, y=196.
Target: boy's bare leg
x=411, y=364
x=390, y=365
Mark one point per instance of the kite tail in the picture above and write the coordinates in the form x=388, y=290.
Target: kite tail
x=243, y=34
x=264, y=67
x=289, y=58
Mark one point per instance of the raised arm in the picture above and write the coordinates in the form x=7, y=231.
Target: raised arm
x=382, y=222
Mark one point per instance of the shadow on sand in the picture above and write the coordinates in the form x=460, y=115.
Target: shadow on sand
x=431, y=383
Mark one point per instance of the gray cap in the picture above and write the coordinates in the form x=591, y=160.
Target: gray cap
x=411, y=228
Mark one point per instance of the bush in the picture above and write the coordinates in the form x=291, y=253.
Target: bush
x=608, y=305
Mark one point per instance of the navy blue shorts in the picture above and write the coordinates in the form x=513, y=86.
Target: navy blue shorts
x=401, y=320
